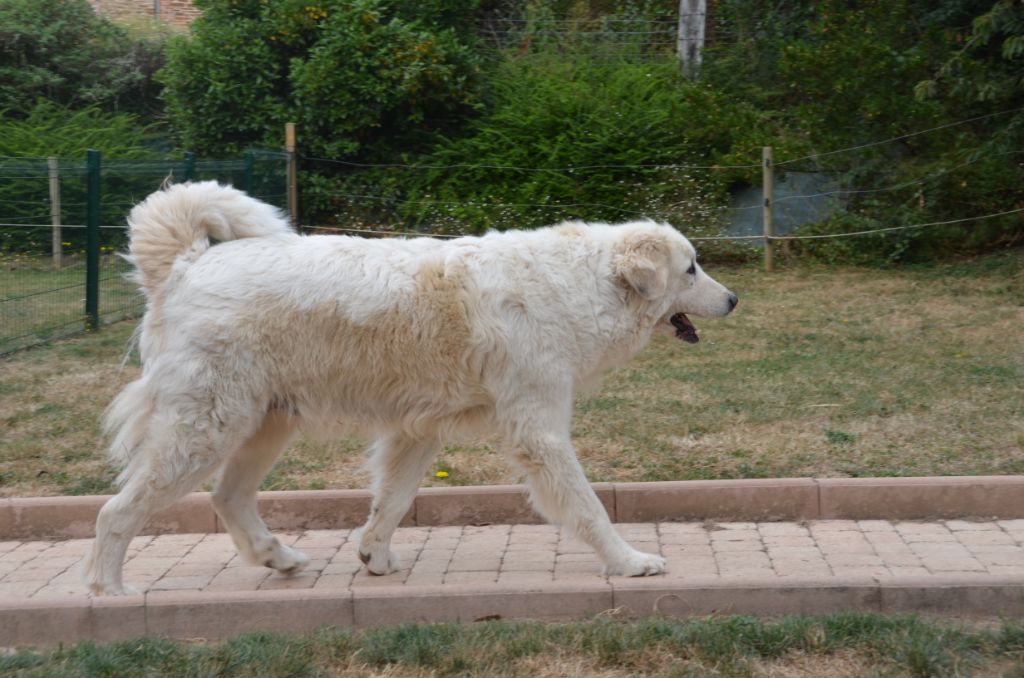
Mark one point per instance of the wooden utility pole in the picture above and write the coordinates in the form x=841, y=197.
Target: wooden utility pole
x=58, y=246
x=690, y=38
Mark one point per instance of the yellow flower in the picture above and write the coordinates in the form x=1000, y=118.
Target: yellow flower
x=441, y=474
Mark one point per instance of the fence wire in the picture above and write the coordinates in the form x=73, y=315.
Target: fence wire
x=43, y=266
x=41, y=299
x=389, y=212
x=714, y=238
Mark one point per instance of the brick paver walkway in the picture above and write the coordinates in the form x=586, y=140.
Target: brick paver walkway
x=535, y=554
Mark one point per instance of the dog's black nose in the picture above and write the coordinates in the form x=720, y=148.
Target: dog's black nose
x=733, y=300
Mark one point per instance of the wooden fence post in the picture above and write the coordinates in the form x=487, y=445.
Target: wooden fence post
x=293, y=174
x=768, y=188
x=58, y=247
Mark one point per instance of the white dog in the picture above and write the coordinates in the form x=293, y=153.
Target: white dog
x=247, y=338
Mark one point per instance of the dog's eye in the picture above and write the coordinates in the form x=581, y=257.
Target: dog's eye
x=693, y=269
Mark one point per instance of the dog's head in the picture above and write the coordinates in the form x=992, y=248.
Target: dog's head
x=659, y=265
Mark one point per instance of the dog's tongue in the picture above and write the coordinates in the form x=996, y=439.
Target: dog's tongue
x=684, y=328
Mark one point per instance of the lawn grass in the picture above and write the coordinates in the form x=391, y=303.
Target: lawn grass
x=846, y=644
x=818, y=372
x=39, y=303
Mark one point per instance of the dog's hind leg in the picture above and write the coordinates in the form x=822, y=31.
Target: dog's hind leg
x=540, y=445
x=172, y=460
x=398, y=464
x=235, y=496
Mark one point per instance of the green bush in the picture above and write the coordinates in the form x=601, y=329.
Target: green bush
x=70, y=80
x=377, y=86
x=362, y=77
x=400, y=82
x=583, y=125
x=63, y=52
x=51, y=130
x=844, y=76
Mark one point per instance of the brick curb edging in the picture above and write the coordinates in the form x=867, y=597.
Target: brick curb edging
x=217, y=616
x=727, y=500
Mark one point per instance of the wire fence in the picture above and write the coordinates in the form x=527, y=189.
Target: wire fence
x=847, y=182
x=58, y=277
x=608, y=38
x=45, y=221
x=762, y=208
x=719, y=238
x=44, y=204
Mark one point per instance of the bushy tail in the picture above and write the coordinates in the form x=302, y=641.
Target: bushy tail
x=179, y=221
x=125, y=421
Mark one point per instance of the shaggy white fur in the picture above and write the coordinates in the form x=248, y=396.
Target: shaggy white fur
x=410, y=341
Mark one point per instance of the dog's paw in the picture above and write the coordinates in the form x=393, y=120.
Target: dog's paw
x=287, y=560
x=380, y=562
x=637, y=564
x=98, y=589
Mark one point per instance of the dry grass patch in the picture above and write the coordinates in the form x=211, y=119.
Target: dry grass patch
x=51, y=399
x=817, y=373
x=803, y=665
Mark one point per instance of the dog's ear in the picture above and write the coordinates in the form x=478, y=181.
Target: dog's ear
x=642, y=261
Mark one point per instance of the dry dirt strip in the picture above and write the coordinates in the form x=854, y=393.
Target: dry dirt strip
x=950, y=545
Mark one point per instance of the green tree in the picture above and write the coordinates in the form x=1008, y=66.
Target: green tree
x=987, y=63
x=983, y=76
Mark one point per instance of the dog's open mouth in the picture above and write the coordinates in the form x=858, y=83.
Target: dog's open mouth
x=684, y=328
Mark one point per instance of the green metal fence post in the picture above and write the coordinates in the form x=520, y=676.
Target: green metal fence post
x=190, y=166
x=92, y=241
x=250, y=161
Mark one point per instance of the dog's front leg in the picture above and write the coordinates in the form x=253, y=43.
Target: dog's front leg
x=560, y=492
